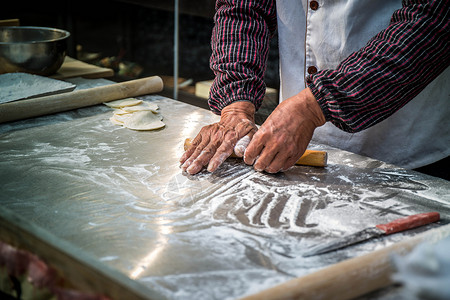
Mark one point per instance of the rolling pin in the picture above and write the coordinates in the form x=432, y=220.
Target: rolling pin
x=314, y=158
x=35, y=107
x=350, y=278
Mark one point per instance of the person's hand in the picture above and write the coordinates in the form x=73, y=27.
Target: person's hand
x=216, y=142
x=286, y=133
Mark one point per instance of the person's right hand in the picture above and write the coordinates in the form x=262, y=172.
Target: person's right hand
x=283, y=137
x=215, y=143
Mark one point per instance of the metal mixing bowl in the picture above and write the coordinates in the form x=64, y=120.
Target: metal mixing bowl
x=36, y=50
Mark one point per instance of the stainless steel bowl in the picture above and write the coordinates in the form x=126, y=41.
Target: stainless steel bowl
x=35, y=50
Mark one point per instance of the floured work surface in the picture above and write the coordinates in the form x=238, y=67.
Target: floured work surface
x=119, y=196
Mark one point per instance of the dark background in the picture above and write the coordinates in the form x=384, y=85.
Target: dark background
x=139, y=31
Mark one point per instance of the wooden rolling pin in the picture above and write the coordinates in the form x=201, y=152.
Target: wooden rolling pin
x=314, y=158
x=35, y=107
x=350, y=278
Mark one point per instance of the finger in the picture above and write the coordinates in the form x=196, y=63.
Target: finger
x=254, y=148
x=222, y=153
x=195, y=143
x=265, y=159
x=196, y=152
x=217, y=161
x=241, y=145
x=187, y=163
x=277, y=163
x=202, y=160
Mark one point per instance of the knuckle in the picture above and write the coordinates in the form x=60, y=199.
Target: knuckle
x=208, y=150
x=227, y=145
x=218, y=135
x=197, y=151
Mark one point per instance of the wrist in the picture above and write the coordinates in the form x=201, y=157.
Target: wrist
x=313, y=108
x=240, y=108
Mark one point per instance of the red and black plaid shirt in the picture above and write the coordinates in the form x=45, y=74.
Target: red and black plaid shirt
x=366, y=88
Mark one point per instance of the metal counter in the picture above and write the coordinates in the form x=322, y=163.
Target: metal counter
x=119, y=197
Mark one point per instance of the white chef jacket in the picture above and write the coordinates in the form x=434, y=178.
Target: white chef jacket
x=416, y=135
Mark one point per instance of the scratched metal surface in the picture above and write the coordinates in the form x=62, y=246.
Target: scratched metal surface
x=120, y=197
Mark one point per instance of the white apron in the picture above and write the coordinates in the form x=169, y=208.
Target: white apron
x=416, y=135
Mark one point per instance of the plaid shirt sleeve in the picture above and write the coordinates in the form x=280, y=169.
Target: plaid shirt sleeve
x=366, y=88
x=240, y=46
x=394, y=66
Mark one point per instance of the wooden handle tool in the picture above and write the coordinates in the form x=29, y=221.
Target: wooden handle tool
x=350, y=278
x=398, y=225
x=314, y=158
x=35, y=107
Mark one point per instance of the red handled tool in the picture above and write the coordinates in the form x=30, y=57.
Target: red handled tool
x=398, y=225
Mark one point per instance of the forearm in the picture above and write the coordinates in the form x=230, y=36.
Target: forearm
x=240, y=45
x=395, y=66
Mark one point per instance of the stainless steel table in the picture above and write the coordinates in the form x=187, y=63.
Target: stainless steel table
x=118, y=199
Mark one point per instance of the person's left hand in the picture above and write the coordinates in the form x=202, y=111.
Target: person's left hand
x=286, y=133
x=215, y=142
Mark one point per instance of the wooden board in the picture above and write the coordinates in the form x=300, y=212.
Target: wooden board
x=75, y=68
x=80, y=98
